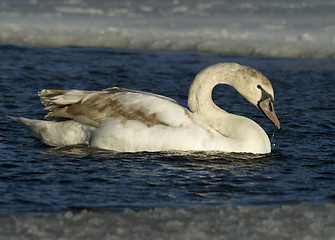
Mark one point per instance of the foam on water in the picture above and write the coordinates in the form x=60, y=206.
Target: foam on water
x=224, y=222
x=273, y=28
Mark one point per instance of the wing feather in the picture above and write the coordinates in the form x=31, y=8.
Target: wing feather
x=93, y=107
x=55, y=98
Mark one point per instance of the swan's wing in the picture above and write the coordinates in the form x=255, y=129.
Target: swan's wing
x=93, y=107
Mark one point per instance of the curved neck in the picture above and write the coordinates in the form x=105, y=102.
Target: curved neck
x=244, y=134
x=200, y=93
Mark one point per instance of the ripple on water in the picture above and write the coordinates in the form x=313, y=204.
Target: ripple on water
x=37, y=178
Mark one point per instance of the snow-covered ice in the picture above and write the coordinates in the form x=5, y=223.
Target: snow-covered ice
x=302, y=221
x=278, y=28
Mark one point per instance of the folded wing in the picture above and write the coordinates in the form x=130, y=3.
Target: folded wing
x=93, y=107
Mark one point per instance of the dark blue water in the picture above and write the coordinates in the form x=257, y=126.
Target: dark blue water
x=36, y=178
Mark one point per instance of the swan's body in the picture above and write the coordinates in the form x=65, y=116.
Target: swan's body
x=127, y=120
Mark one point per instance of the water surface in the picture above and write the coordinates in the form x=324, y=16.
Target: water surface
x=36, y=178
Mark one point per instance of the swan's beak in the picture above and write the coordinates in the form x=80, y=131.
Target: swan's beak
x=266, y=106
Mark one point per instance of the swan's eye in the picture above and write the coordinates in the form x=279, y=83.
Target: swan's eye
x=259, y=86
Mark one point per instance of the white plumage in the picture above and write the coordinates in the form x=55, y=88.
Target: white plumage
x=126, y=120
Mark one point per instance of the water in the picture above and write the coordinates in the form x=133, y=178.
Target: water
x=37, y=179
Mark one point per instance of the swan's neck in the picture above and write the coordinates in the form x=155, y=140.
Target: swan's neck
x=242, y=134
x=200, y=93
x=201, y=103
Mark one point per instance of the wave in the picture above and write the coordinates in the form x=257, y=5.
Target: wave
x=275, y=29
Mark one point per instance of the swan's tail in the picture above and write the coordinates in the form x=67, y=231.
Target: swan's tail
x=64, y=133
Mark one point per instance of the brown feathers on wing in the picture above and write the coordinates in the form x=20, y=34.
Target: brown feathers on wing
x=93, y=107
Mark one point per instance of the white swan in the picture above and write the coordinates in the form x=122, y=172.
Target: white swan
x=128, y=121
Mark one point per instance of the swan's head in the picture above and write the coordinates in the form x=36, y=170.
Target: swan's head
x=250, y=83
x=256, y=88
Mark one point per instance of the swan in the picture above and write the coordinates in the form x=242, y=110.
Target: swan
x=129, y=121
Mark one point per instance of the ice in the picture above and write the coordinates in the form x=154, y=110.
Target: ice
x=287, y=28
x=302, y=221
